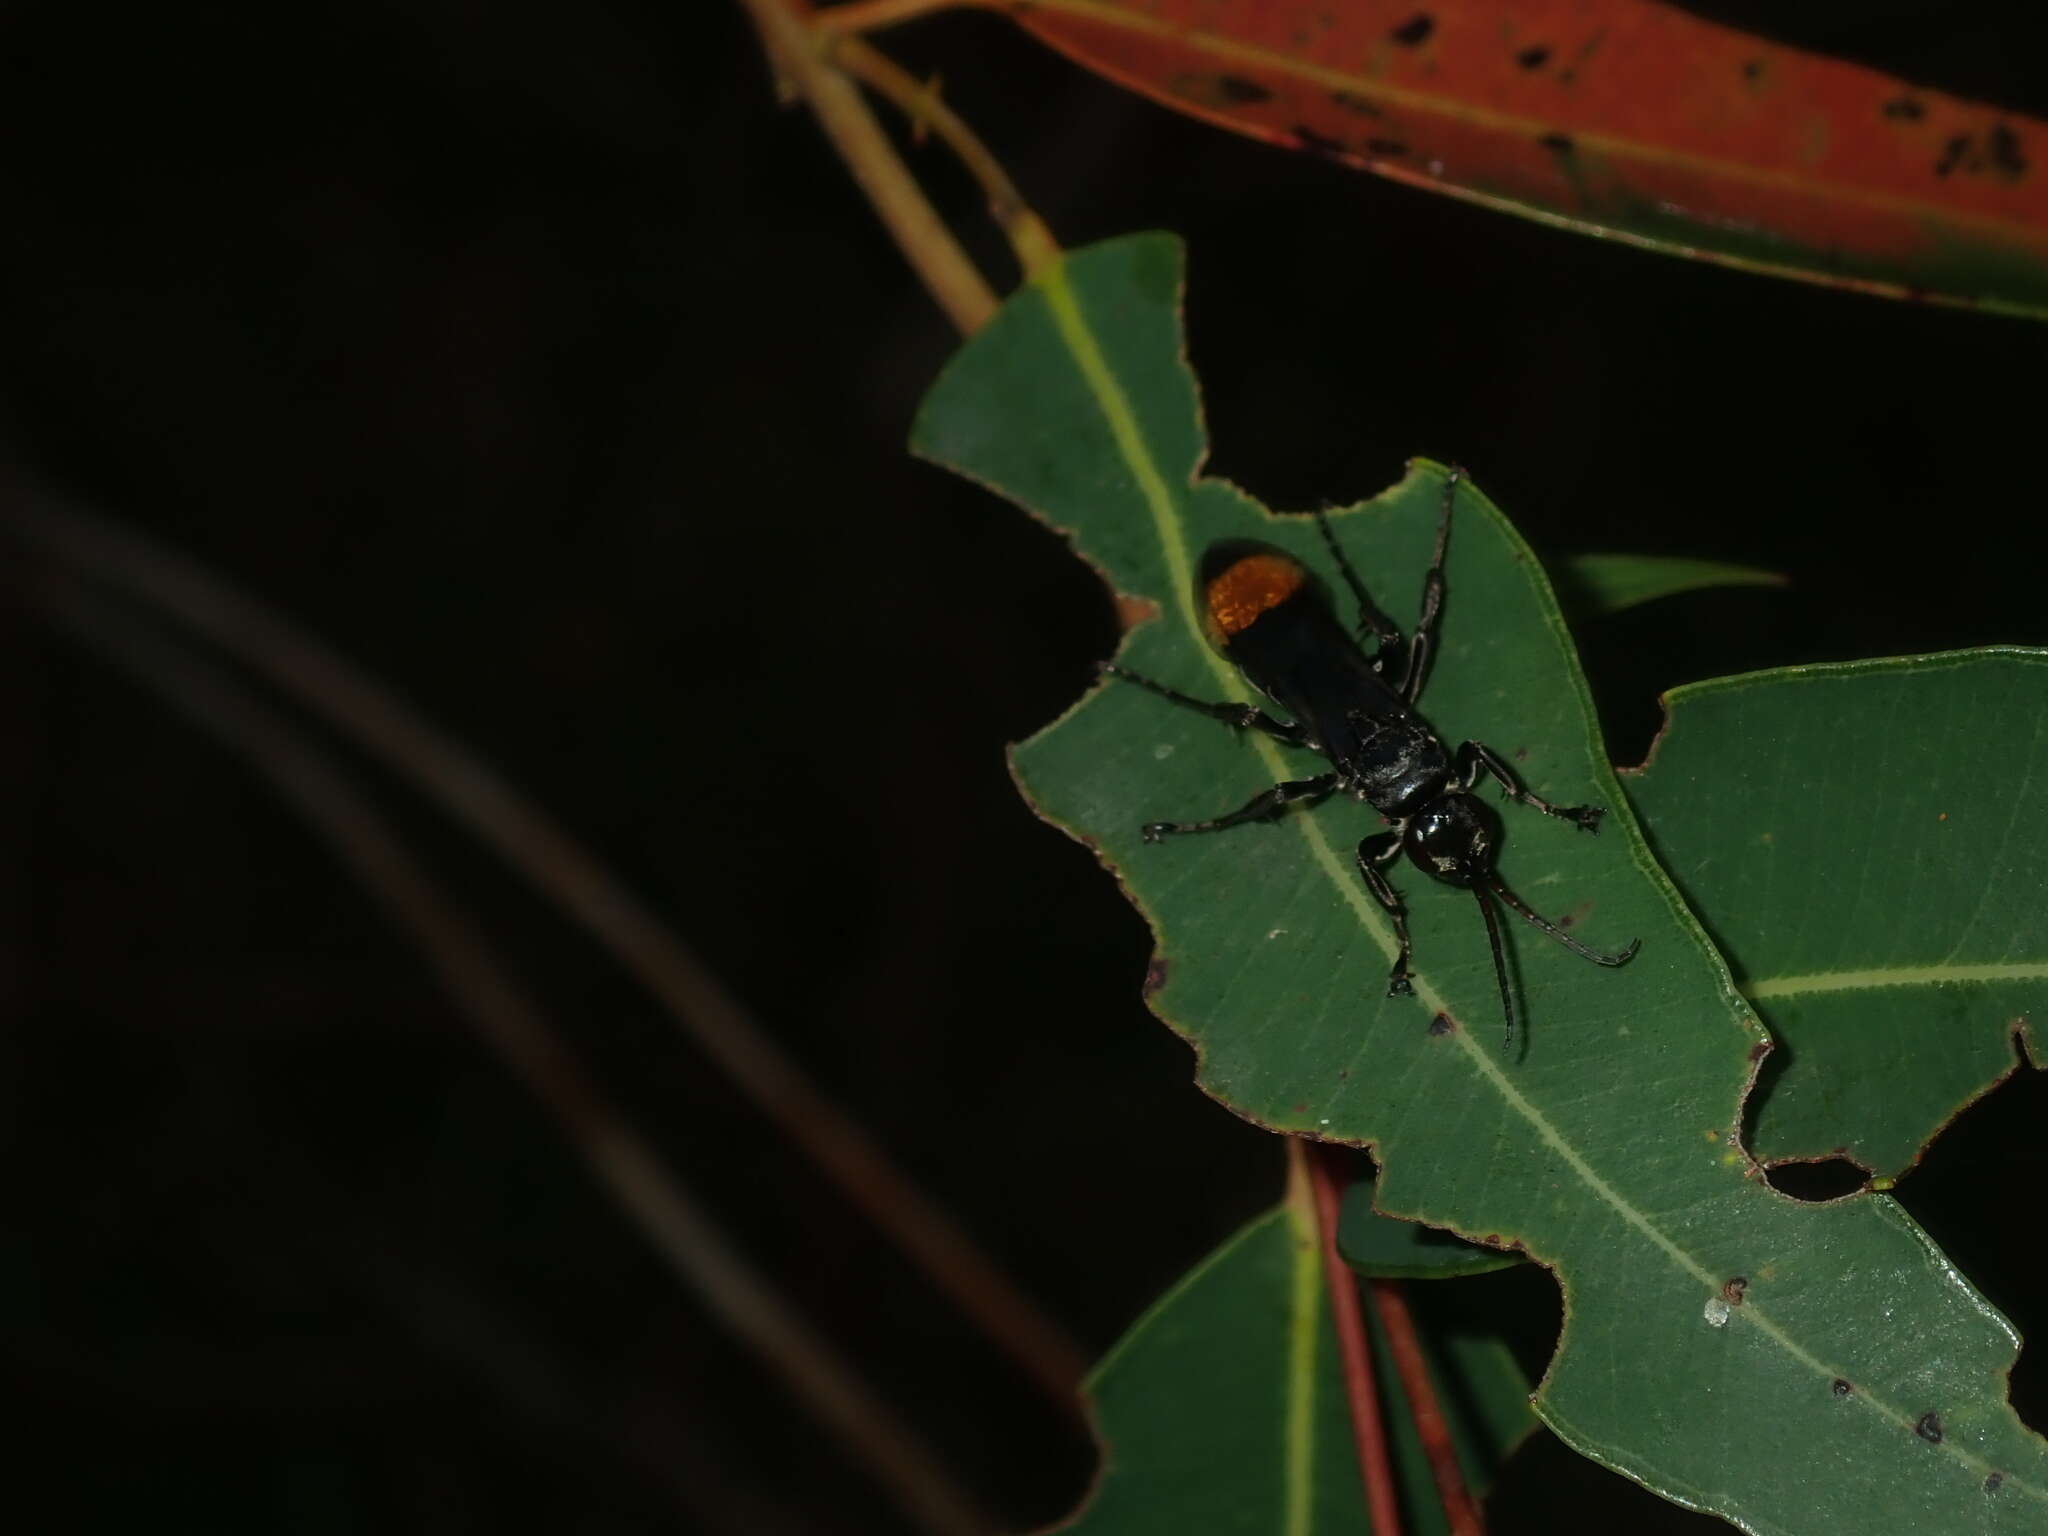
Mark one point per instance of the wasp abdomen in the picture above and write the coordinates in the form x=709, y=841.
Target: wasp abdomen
x=1241, y=581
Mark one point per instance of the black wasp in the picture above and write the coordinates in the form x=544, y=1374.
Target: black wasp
x=1270, y=618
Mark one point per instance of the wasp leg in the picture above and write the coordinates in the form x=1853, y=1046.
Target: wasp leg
x=1237, y=716
x=1267, y=805
x=1475, y=758
x=1384, y=848
x=1423, y=647
x=1522, y=909
x=1370, y=619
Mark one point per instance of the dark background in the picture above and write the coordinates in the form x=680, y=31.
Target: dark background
x=544, y=366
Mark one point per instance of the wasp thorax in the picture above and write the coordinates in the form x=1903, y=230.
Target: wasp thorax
x=1453, y=838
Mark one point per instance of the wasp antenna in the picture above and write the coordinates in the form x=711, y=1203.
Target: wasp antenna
x=1598, y=957
x=1500, y=963
x=1453, y=478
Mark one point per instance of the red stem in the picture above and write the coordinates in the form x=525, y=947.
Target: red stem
x=1327, y=1178
x=1460, y=1511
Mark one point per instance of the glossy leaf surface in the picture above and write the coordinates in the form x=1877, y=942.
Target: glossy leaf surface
x=1223, y=1408
x=1625, y=118
x=1610, y=583
x=1731, y=1348
x=1390, y=1249
x=1870, y=845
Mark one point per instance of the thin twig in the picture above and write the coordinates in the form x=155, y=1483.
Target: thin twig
x=1404, y=1345
x=874, y=15
x=926, y=243
x=512, y=1026
x=1027, y=233
x=1327, y=1177
x=540, y=850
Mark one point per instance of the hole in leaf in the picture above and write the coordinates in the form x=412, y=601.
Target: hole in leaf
x=1972, y=1191
x=1829, y=1178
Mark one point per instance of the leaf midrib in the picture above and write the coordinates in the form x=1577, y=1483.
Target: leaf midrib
x=1865, y=978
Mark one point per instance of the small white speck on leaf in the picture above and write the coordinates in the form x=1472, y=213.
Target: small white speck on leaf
x=1715, y=1312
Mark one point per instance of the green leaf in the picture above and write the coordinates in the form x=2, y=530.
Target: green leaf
x=1223, y=1408
x=1390, y=1249
x=1606, y=1146
x=1870, y=844
x=1610, y=583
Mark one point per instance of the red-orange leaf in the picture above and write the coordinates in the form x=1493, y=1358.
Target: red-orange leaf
x=1617, y=116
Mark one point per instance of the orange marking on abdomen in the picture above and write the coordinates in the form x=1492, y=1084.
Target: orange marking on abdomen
x=1246, y=589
